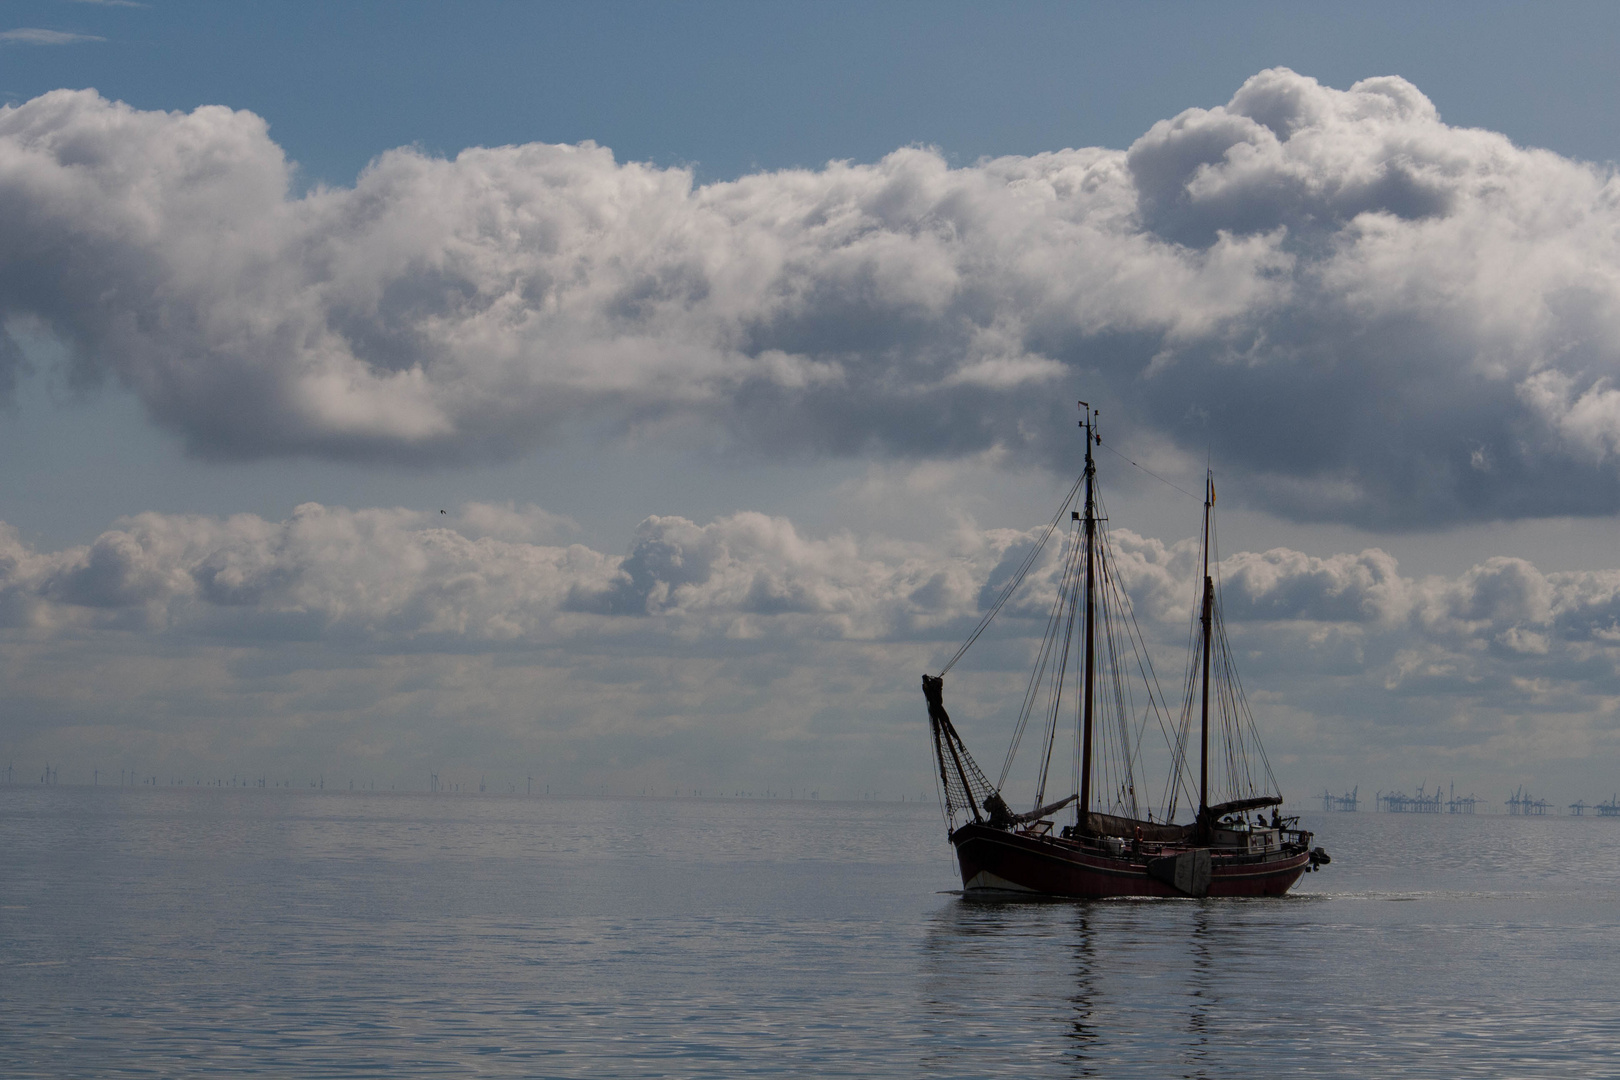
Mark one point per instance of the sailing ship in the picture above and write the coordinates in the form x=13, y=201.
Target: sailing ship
x=1116, y=845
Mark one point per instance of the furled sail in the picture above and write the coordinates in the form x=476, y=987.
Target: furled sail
x=1156, y=832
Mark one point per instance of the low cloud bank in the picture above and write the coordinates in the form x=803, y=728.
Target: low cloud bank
x=397, y=581
x=1373, y=315
x=724, y=652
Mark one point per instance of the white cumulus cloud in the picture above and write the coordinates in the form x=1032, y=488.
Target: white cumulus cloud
x=485, y=630
x=1374, y=315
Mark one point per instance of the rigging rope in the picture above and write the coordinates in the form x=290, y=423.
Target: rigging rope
x=1012, y=586
x=1072, y=560
x=1147, y=470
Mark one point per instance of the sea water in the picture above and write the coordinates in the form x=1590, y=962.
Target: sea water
x=218, y=932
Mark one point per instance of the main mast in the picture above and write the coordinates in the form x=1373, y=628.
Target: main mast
x=1091, y=622
x=1208, y=619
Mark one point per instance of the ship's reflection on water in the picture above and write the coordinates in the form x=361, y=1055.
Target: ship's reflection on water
x=1201, y=989
x=1164, y=988
x=1084, y=1029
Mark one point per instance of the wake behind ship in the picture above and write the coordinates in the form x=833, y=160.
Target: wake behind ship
x=1093, y=657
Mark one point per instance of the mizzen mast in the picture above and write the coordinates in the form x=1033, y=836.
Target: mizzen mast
x=1208, y=619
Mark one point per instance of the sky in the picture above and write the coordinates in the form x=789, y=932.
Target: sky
x=639, y=397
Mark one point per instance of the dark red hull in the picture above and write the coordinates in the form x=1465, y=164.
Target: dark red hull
x=994, y=860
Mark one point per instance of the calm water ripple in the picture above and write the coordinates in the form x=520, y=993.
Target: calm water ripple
x=238, y=932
